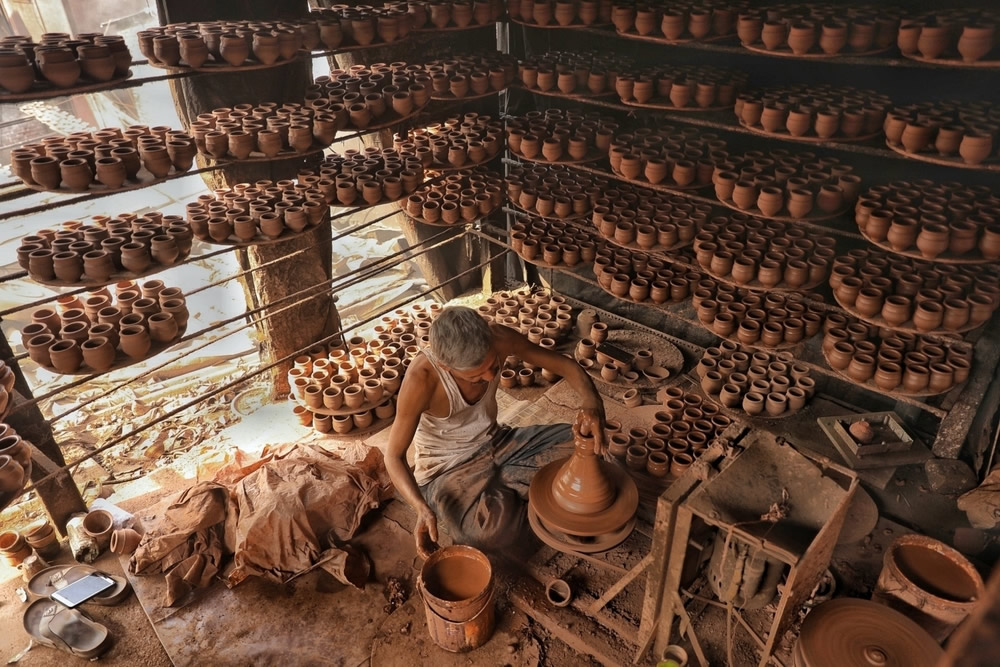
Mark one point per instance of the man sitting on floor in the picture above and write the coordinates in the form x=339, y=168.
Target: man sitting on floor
x=470, y=471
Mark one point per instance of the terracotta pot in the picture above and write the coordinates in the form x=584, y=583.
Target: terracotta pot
x=98, y=353
x=234, y=49
x=135, y=341
x=76, y=174
x=928, y=315
x=975, y=147
x=99, y=525
x=125, y=541
x=65, y=356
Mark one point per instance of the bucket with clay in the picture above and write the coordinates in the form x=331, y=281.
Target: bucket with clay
x=456, y=584
x=930, y=582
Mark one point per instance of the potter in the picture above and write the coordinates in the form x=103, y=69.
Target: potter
x=471, y=472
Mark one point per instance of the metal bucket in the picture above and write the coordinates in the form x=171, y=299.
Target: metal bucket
x=456, y=585
x=930, y=582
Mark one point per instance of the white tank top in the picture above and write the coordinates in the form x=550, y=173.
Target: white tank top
x=444, y=442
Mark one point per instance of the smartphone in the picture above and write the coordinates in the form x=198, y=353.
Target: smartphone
x=83, y=589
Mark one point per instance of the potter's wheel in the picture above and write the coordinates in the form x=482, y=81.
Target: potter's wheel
x=621, y=510
x=587, y=545
x=848, y=632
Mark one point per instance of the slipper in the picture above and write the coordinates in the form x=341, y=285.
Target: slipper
x=51, y=579
x=70, y=630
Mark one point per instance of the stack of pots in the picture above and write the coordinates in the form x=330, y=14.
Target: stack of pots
x=359, y=26
x=573, y=72
x=950, y=221
x=670, y=156
x=782, y=184
x=471, y=76
x=458, y=142
x=764, y=254
x=640, y=365
x=902, y=293
x=6, y=387
x=553, y=191
x=372, y=176
x=61, y=61
x=43, y=538
x=682, y=430
x=463, y=196
x=444, y=14
x=15, y=456
x=246, y=213
x=896, y=361
x=92, y=253
x=681, y=86
x=643, y=279
x=553, y=243
x=638, y=218
x=754, y=381
x=949, y=33
x=536, y=313
x=676, y=22
x=560, y=13
x=384, y=94
x=946, y=128
x=359, y=380
x=268, y=128
x=109, y=157
x=818, y=111
x=101, y=331
x=758, y=320
x=232, y=43
x=813, y=29
x=556, y=135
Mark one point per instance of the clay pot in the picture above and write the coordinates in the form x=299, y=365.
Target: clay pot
x=125, y=541
x=932, y=240
x=99, y=525
x=98, y=353
x=14, y=548
x=162, y=327
x=17, y=78
x=135, y=341
x=65, y=356
x=975, y=147
x=928, y=315
x=234, y=49
x=75, y=174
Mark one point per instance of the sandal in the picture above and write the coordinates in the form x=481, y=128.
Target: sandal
x=70, y=630
x=51, y=579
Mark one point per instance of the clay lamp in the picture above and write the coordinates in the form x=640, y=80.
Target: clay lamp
x=581, y=487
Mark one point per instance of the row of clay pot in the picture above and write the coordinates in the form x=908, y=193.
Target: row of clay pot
x=969, y=34
x=92, y=335
x=573, y=72
x=769, y=320
x=823, y=111
x=267, y=128
x=523, y=376
x=772, y=254
x=553, y=243
x=899, y=361
x=130, y=243
x=465, y=195
x=675, y=21
x=246, y=213
x=553, y=190
x=534, y=312
x=344, y=424
x=641, y=278
x=60, y=61
x=232, y=43
x=641, y=363
x=373, y=176
x=905, y=294
x=781, y=184
x=439, y=15
x=358, y=26
x=756, y=382
x=560, y=135
x=803, y=30
x=356, y=376
x=561, y=13
x=109, y=157
x=933, y=219
x=946, y=128
x=682, y=86
x=669, y=156
x=478, y=74
x=385, y=93
x=629, y=215
x=457, y=142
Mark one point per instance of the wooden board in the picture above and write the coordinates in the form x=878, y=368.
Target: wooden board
x=555, y=26
x=217, y=67
x=257, y=156
x=953, y=62
x=990, y=164
x=555, y=92
x=631, y=34
x=41, y=90
x=452, y=28
x=359, y=47
x=786, y=52
x=449, y=97
x=667, y=106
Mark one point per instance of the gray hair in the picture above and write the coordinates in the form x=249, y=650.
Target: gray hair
x=460, y=338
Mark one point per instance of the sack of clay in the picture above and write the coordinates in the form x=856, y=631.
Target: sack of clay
x=84, y=548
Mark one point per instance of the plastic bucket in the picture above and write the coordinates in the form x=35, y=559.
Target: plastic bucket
x=456, y=585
